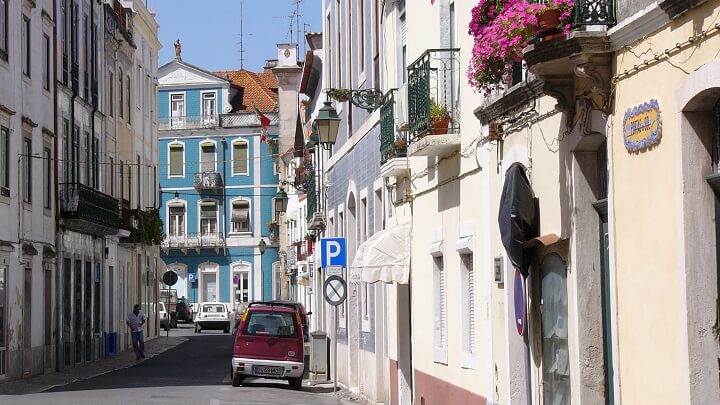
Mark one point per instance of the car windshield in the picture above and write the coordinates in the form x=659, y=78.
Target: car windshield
x=213, y=308
x=265, y=323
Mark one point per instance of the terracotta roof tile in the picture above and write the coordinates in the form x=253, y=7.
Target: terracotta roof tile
x=254, y=90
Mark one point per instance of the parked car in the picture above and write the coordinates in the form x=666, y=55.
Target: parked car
x=303, y=316
x=170, y=299
x=184, y=310
x=269, y=344
x=164, y=318
x=212, y=316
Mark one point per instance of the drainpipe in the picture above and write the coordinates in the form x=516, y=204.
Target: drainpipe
x=56, y=199
x=95, y=108
x=224, y=193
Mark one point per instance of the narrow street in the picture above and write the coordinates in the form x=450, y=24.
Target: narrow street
x=194, y=372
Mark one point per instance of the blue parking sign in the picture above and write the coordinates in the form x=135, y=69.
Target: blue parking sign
x=191, y=277
x=333, y=252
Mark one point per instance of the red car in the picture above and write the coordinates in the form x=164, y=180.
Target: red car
x=269, y=344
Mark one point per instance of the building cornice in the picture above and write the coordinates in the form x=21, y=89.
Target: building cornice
x=641, y=24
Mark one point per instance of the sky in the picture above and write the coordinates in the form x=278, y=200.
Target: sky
x=209, y=30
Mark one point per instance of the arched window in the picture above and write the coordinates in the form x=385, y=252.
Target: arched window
x=240, y=216
x=208, y=157
x=176, y=159
x=240, y=157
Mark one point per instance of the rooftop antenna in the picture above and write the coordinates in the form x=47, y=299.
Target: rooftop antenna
x=242, y=39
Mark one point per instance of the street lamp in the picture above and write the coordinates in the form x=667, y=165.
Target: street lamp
x=327, y=123
x=261, y=246
x=281, y=203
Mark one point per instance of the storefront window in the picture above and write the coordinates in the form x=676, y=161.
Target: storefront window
x=554, y=310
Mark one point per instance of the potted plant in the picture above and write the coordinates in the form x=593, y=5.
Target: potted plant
x=553, y=18
x=439, y=118
x=339, y=94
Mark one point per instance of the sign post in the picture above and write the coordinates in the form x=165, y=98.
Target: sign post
x=333, y=258
x=335, y=291
x=170, y=278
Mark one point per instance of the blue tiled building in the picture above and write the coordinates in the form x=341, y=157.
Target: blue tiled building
x=217, y=181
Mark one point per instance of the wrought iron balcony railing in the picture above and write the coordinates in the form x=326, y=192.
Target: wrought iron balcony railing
x=591, y=12
x=88, y=210
x=433, y=105
x=201, y=240
x=237, y=120
x=207, y=181
x=392, y=144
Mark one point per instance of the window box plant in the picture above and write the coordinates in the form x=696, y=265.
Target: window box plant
x=339, y=94
x=439, y=118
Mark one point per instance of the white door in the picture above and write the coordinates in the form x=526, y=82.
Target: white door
x=177, y=110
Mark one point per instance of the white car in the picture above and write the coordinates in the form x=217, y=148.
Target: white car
x=164, y=318
x=212, y=316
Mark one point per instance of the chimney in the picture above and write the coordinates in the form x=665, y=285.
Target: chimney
x=287, y=55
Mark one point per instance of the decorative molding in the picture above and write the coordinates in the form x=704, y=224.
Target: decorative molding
x=509, y=101
x=27, y=121
x=48, y=132
x=6, y=110
x=578, y=42
x=675, y=8
x=641, y=24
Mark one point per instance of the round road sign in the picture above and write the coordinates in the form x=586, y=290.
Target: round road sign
x=170, y=278
x=335, y=290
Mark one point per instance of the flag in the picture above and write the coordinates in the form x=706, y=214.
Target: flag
x=264, y=124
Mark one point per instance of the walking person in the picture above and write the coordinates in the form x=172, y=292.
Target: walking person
x=135, y=321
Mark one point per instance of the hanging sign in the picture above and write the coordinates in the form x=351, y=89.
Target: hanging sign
x=519, y=298
x=642, y=126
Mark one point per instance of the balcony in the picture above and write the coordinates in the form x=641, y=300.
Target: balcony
x=578, y=62
x=392, y=144
x=207, y=181
x=145, y=226
x=237, y=120
x=87, y=210
x=433, y=105
x=195, y=241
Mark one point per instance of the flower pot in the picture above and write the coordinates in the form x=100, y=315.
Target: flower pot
x=440, y=125
x=495, y=132
x=548, y=20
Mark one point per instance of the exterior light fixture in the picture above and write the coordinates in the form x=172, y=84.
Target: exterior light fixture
x=281, y=203
x=327, y=123
x=262, y=245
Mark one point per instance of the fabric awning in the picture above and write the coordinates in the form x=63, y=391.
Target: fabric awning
x=384, y=257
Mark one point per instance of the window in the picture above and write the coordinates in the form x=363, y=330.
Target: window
x=554, y=318
x=273, y=324
x=27, y=309
x=87, y=158
x=121, y=104
x=240, y=157
x=176, y=225
x=47, y=304
x=26, y=45
x=27, y=166
x=207, y=157
x=468, y=304
x=95, y=163
x=47, y=178
x=242, y=289
x=3, y=32
x=363, y=220
x=111, y=175
x=208, y=104
x=240, y=218
x=440, y=304
x=177, y=110
x=129, y=100
x=209, y=284
x=3, y=317
x=46, y=62
x=86, y=57
x=208, y=218
x=5, y=161
x=379, y=211
x=74, y=24
x=177, y=160
x=361, y=36
x=111, y=94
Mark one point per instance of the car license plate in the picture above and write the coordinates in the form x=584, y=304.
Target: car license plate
x=268, y=370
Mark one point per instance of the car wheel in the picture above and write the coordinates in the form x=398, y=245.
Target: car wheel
x=296, y=383
x=237, y=380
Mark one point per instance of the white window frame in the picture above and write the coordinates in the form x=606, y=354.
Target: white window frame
x=232, y=157
x=207, y=142
x=180, y=118
x=204, y=270
x=202, y=102
x=276, y=278
x=176, y=143
x=468, y=303
x=440, y=340
x=250, y=216
x=176, y=202
x=240, y=267
x=217, y=215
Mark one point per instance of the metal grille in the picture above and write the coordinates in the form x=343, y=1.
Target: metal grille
x=594, y=12
x=390, y=145
x=432, y=79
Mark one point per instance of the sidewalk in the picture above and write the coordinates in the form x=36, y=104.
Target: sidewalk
x=122, y=360
x=343, y=396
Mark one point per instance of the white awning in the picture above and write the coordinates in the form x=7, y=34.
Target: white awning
x=384, y=257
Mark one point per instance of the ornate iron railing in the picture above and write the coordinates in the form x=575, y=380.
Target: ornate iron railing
x=207, y=181
x=591, y=12
x=79, y=202
x=237, y=120
x=392, y=144
x=201, y=240
x=311, y=193
x=433, y=81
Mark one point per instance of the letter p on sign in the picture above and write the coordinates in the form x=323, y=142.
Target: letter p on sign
x=333, y=252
